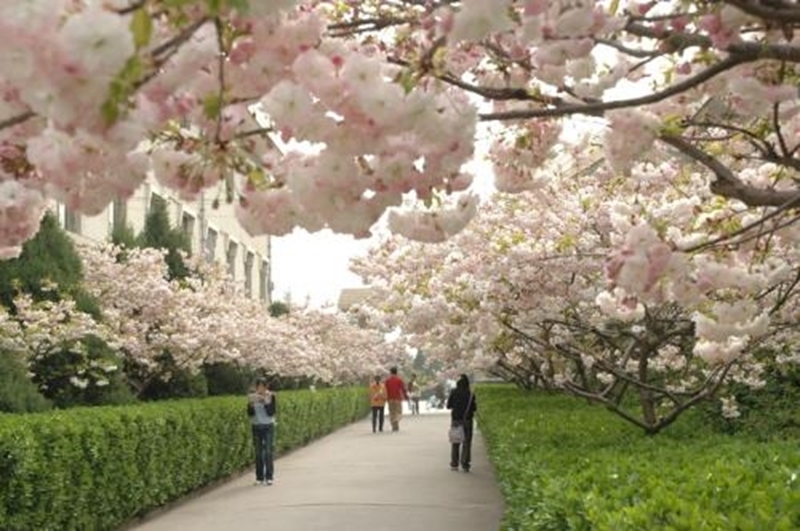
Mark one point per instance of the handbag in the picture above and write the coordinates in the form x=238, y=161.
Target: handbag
x=456, y=433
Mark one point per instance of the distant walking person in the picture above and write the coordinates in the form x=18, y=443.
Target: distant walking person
x=413, y=394
x=261, y=407
x=377, y=399
x=462, y=406
x=396, y=393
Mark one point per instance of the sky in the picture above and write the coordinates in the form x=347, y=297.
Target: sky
x=314, y=267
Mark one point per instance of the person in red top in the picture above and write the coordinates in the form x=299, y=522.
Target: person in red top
x=396, y=393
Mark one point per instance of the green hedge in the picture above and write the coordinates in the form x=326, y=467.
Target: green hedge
x=96, y=468
x=567, y=465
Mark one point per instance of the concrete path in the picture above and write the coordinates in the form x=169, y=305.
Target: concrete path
x=354, y=480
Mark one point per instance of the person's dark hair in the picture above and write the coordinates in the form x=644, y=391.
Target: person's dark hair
x=261, y=381
x=393, y=370
x=463, y=382
x=377, y=378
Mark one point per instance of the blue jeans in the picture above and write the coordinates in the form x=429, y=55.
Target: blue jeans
x=263, y=443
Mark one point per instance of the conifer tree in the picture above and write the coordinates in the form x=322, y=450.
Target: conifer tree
x=158, y=234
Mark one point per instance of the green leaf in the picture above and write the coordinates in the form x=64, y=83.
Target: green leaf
x=142, y=28
x=120, y=89
x=110, y=111
x=407, y=80
x=240, y=5
x=212, y=106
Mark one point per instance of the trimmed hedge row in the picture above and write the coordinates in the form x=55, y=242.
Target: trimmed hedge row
x=96, y=468
x=567, y=465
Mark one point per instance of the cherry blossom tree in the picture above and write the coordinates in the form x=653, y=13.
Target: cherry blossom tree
x=41, y=332
x=161, y=325
x=573, y=287
x=97, y=93
x=696, y=102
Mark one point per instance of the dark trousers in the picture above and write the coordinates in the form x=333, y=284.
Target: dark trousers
x=263, y=443
x=463, y=450
x=377, y=418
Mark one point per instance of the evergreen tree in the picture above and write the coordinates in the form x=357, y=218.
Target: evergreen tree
x=278, y=308
x=18, y=394
x=50, y=268
x=48, y=258
x=123, y=236
x=158, y=234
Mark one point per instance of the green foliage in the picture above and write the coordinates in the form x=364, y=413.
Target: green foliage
x=278, y=308
x=123, y=236
x=17, y=393
x=121, y=88
x=767, y=413
x=53, y=373
x=173, y=382
x=158, y=234
x=567, y=465
x=48, y=258
x=141, y=28
x=227, y=378
x=93, y=469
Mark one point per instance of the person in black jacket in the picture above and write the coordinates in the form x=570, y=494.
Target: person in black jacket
x=462, y=406
x=261, y=408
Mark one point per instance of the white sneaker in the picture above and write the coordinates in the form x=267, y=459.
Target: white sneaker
x=268, y=482
x=258, y=482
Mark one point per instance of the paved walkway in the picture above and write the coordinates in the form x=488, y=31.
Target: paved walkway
x=354, y=480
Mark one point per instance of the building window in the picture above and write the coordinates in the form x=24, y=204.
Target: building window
x=72, y=220
x=211, y=245
x=248, y=274
x=231, y=257
x=187, y=226
x=119, y=217
x=263, y=285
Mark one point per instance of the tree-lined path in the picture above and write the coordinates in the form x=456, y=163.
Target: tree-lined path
x=355, y=480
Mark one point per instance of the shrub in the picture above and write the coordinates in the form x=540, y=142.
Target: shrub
x=226, y=378
x=53, y=374
x=768, y=412
x=17, y=393
x=95, y=469
x=567, y=465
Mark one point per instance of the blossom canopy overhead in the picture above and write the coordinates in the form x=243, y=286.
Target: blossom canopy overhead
x=98, y=94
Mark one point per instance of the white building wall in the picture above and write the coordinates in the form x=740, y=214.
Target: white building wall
x=214, y=232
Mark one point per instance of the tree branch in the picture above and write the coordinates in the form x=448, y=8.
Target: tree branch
x=783, y=12
x=611, y=43
x=178, y=39
x=599, y=108
x=343, y=29
x=221, y=58
x=606, y=402
x=131, y=8
x=16, y=120
x=727, y=184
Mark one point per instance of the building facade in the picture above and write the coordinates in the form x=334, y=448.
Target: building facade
x=211, y=227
